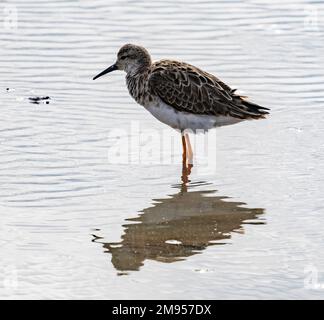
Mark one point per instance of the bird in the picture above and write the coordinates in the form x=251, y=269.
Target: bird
x=181, y=95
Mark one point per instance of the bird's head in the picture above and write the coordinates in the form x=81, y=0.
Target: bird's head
x=130, y=58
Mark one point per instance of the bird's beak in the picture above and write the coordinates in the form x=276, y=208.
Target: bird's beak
x=110, y=69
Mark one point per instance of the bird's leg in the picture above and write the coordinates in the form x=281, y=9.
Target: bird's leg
x=184, y=150
x=184, y=176
x=189, y=150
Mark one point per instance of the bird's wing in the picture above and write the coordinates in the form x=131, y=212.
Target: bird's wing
x=189, y=89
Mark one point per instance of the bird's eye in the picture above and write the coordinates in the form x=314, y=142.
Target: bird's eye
x=123, y=57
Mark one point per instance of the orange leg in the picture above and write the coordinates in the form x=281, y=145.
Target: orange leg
x=187, y=152
x=184, y=150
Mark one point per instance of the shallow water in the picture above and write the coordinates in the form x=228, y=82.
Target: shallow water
x=74, y=225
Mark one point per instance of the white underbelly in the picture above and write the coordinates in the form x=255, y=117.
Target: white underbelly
x=185, y=120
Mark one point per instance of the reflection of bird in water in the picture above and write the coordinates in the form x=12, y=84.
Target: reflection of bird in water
x=177, y=227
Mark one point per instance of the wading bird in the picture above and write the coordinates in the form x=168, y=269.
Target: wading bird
x=181, y=95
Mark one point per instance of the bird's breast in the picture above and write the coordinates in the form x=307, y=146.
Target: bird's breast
x=138, y=89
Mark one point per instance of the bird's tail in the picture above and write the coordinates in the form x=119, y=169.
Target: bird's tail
x=252, y=110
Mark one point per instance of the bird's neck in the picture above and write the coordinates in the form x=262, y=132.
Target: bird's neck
x=137, y=69
x=137, y=85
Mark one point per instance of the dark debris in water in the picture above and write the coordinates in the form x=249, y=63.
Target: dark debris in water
x=38, y=100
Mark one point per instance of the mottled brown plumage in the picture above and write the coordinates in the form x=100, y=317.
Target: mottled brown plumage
x=183, y=88
x=189, y=89
x=181, y=95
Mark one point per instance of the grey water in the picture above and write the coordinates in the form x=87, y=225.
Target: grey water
x=73, y=225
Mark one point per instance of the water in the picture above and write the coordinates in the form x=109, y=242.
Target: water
x=74, y=225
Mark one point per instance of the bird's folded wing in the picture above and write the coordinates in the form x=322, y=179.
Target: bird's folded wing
x=189, y=89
